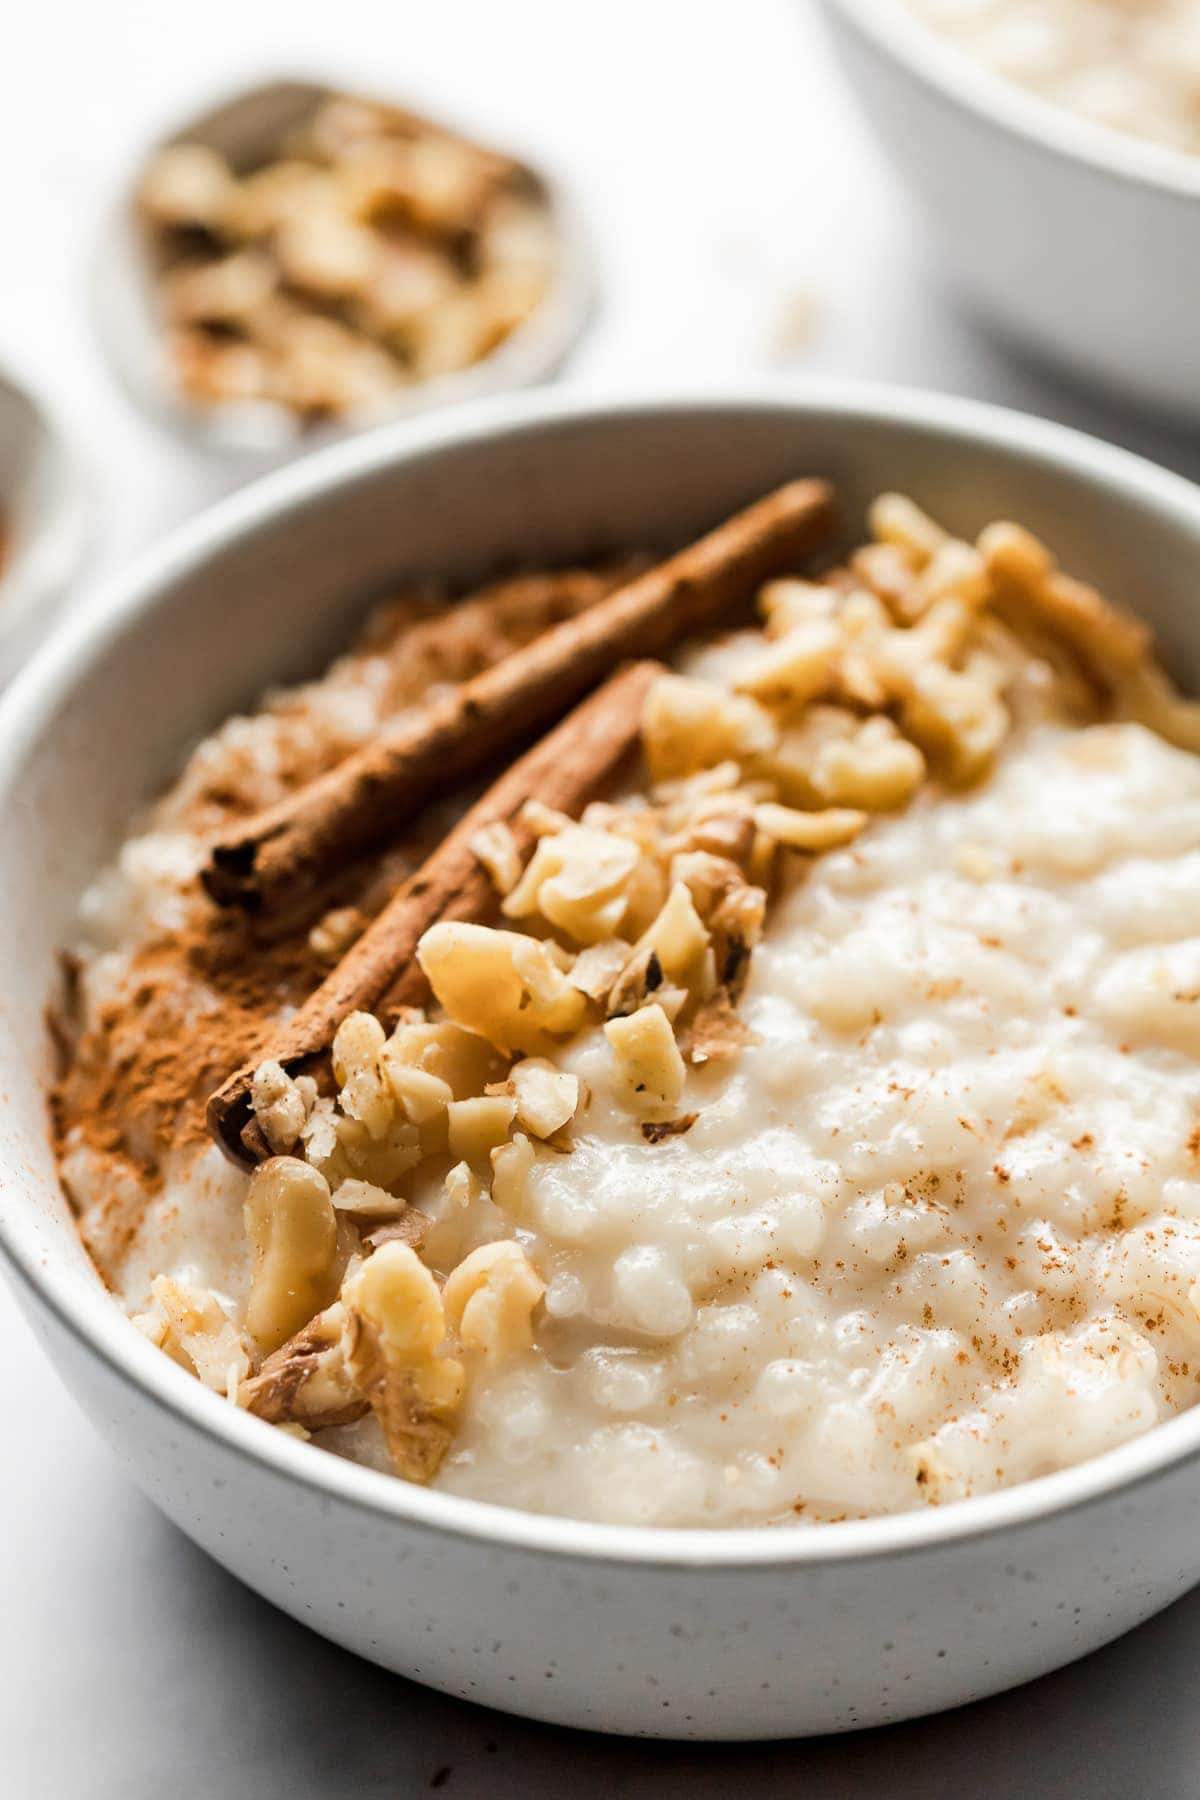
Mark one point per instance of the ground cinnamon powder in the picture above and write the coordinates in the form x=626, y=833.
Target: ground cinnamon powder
x=195, y=1004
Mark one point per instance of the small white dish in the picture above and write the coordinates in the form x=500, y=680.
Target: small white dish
x=1081, y=242
x=44, y=516
x=763, y=1632
x=246, y=129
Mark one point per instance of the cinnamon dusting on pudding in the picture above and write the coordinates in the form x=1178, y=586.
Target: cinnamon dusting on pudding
x=872, y=1264
x=196, y=997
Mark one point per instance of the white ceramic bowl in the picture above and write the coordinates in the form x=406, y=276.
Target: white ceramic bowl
x=1080, y=241
x=248, y=128
x=755, y=1633
x=45, y=510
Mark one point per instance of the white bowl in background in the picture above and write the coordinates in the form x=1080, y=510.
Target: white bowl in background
x=45, y=512
x=247, y=128
x=1082, y=242
x=689, y=1633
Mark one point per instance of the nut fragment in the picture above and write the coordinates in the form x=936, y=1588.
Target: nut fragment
x=219, y=293
x=895, y=519
x=462, y=1059
x=577, y=879
x=1024, y=576
x=512, y=1165
x=546, y=1098
x=422, y=1094
x=717, y=1033
x=677, y=937
x=689, y=725
x=796, y=667
x=958, y=717
x=326, y=254
x=477, y=1126
x=306, y=1381
x=195, y=1329
x=876, y=769
x=490, y=1297
x=396, y=1327
x=596, y=969
x=293, y=1233
x=279, y=1106
x=809, y=831
x=496, y=848
x=366, y=1201
x=647, y=1055
x=502, y=985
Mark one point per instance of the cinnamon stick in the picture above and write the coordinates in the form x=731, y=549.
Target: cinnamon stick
x=363, y=801
x=564, y=769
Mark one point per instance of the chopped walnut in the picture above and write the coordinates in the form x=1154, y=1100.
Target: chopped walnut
x=809, y=831
x=546, y=1098
x=463, y=1060
x=189, y=185
x=364, y=1200
x=595, y=969
x=489, y=1300
x=647, y=1055
x=293, y=1232
x=500, y=984
x=395, y=1329
x=577, y=879
x=795, y=667
x=678, y=937
x=279, y=1106
x=366, y=1093
x=717, y=1032
x=512, y=1164
x=689, y=725
x=1024, y=575
x=345, y=266
x=875, y=769
x=496, y=848
x=307, y=1380
x=191, y=1324
x=895, y=519
x=477, y=1126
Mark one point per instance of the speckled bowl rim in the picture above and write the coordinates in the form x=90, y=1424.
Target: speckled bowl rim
x=91, y=1317
x=1008, y=107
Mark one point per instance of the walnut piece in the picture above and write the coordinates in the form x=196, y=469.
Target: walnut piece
x=395, y=1329
x=293, y=1232
x=490, y=1297
x=500, y=984
x=546, y=1098
x=647, y=1055
x=307, y=1381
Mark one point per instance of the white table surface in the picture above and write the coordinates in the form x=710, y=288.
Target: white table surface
x=724, y=173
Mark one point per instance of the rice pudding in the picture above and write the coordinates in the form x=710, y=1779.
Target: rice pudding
x=812, y=1128
x=1131, y=67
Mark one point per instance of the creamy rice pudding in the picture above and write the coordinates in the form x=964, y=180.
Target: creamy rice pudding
x=807, y=1127
x=1133, y=65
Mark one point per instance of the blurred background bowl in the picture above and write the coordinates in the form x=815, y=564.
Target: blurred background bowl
x=1081, y=242
x=248, y=129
